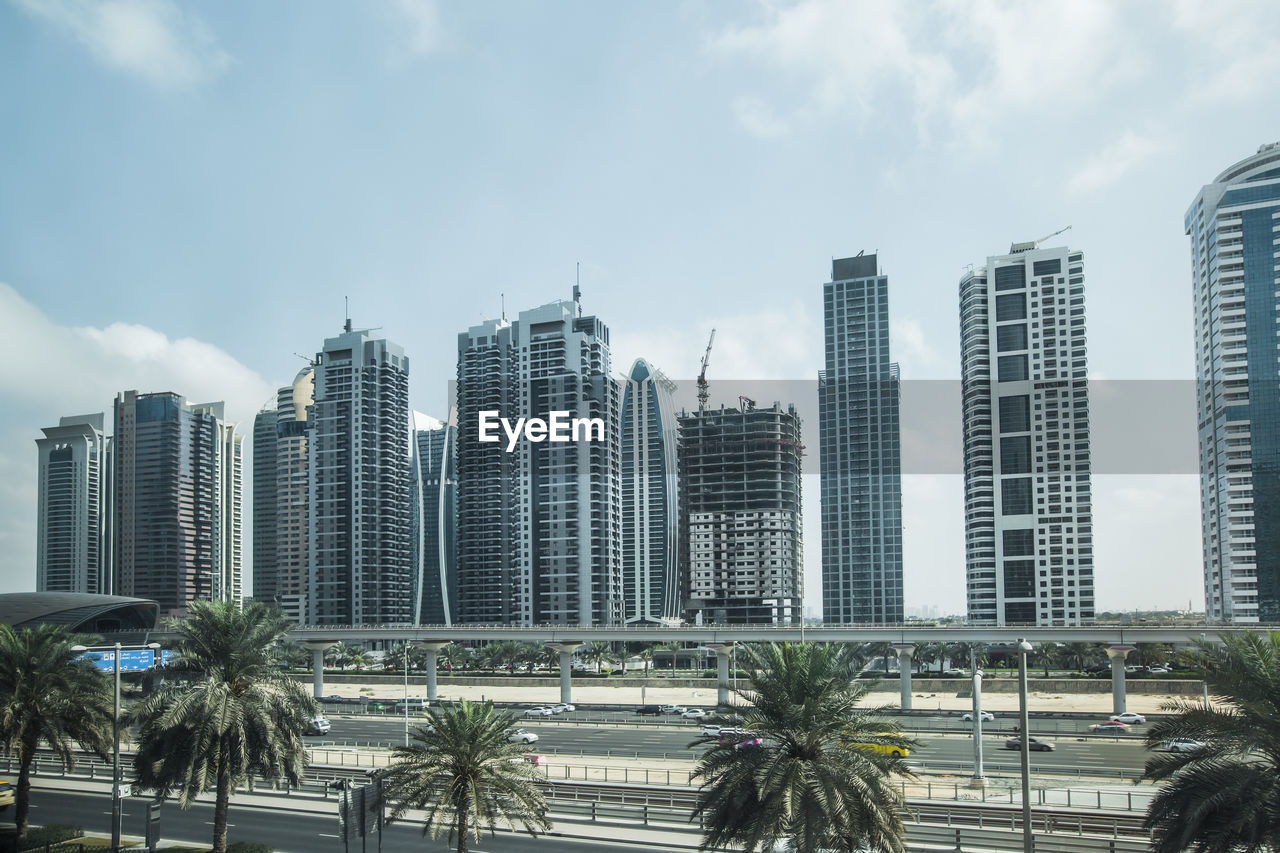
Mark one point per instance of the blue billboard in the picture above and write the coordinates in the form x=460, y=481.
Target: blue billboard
x=131, y=660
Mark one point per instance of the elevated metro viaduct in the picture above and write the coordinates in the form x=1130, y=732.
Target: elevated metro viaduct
x=722, y=638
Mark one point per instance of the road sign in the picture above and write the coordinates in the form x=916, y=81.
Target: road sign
x=131, y=660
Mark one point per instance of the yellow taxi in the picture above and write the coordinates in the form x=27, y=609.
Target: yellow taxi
x=883, y=748
x=6, y=794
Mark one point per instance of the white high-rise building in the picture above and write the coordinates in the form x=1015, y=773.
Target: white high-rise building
x=538, y=524
x=1234, y=226
x=358, y=457
x=1028, y=503
x=73, y=527
x=650, y=497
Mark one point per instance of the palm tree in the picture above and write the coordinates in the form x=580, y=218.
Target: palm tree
x=596, y=652
x=805, y=784
x=959, y=654
x=1079, y=653
x=1225, y=795
x=47, y=695
x=238, y=717
x=466, y=775
x=925, y=654
x=881, y=650
x=1044, y=654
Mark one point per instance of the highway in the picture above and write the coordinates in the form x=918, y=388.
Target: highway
x=292, y=832
x=1074, y=752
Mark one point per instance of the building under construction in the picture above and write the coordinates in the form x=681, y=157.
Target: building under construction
x=740, y=516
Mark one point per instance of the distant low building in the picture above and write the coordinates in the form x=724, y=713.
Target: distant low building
x=79, y=612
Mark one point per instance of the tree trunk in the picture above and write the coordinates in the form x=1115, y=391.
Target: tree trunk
x=462, y=828
x=22, y=800
x=220, y=806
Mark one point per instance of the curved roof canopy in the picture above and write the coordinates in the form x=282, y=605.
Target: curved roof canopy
x=80, y=612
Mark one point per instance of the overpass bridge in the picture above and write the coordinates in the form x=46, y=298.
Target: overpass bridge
x=1120, y=640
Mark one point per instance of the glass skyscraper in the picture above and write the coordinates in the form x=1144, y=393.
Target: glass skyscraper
x=433, y=520
x=859, y=450
x=73, y=529
x=359, y=483
x=264, y=505
x=1234, y=235
x=1027, y=486
x=650, y=497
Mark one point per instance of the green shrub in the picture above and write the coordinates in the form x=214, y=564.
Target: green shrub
x=54, y=833
x=248, y=847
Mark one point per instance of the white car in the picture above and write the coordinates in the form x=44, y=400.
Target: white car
x=539, y=712
x=987, y=717
x=561, y=707
x=955, y=673
x=522, y=736
x=694, y=714
x=556, y=709
x=1181, y=745
x=672, y=709
x=1128, y=717
x=318, y=726
x=1158, y=670
x=711, y=731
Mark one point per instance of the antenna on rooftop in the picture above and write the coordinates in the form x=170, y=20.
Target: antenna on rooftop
x=503, y=297
x=346, y=308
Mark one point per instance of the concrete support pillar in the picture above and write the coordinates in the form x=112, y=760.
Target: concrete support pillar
x=432, y=648
x=722, y=672
x=318, y=648
x=1117, y=655
x=566, y=668
x=905, y=651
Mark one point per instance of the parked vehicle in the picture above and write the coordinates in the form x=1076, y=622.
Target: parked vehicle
x=1109, y=726
x=987, y=717
x=1128, y=717
x=1033, y=745
x=318, y=726
x=522, y=736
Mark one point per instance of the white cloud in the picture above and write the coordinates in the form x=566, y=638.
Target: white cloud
x=419, y=23
x=960, y=65
x=67, y=371
x=1233, y=55
x=156, y=40
x=910, y=347
x=758, y=118
x=1111, y=163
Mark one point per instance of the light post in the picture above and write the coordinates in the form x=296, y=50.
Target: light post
x=977, y=717
x=117, y=648
x=1024, y=717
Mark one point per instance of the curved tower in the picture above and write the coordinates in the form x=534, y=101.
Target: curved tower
x=432, y=520
x=650, y=497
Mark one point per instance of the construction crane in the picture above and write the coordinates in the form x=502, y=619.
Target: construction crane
x=1037, y=243
x=703, y=394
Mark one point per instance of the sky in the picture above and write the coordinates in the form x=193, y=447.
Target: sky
x=188, y=193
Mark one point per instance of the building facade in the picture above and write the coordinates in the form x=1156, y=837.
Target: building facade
x=860, y=450
x=358, y=461
x=1028, y=497
x=650, y=525
x=73, y=521
x=1233, y=226
x=264, y=505
x=741, y=525
x=177, y=499
x=538, y=522
x=292, y=494
x=433, y=520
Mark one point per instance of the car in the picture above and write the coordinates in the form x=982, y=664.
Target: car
x=563, y=706
x=411, y=705
x=954, y=672
x=1181, y=745
x=883, y=748
x=738, y=738
x=6, y=794
x=987, y=717
x=556, y=709
x=333, y=697
x=672, y=709
x=652, y=710
x=1033, y=745
x=1109, y=726
x=318, y=726
x=1128, y=717
x=694, y=714
x=1133, y=669
x=1158, y=670
x=712, y=731
x=521, y=736
x=539, y=711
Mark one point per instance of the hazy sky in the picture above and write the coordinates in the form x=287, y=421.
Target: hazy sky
x=187, y=192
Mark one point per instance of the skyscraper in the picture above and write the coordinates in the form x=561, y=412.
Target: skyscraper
x=433, y=520
x=1234, y=241
x=740, y=515
x=1028, y=502
x=859, y=450
x=177, y=501
x=359, y=483
x=73, y=527
x=264, y=505
x=538, y=522
x=650, y=497
x=292, y=492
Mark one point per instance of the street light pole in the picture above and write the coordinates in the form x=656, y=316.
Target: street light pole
x=406, y=702
x=1024, y=719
